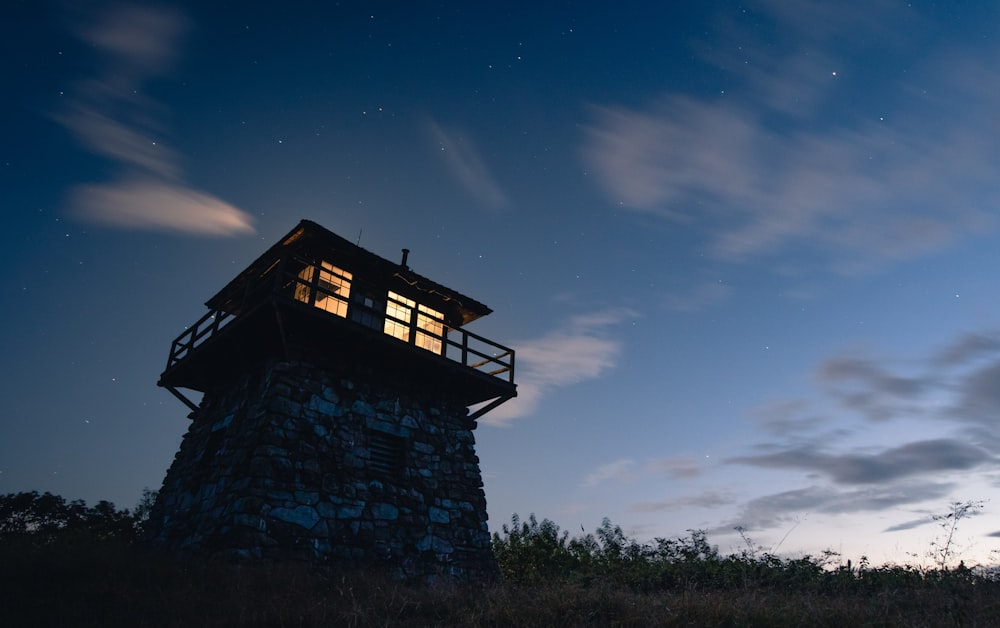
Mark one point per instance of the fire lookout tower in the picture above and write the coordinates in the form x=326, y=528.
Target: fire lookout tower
x=334, y=423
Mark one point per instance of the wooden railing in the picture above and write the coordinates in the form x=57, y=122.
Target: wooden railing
x=456, y=344
x=197, y=335
x=478, y=353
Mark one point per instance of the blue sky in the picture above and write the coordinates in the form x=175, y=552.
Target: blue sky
x=746, y=252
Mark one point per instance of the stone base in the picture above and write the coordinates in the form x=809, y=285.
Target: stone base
x=308, y=461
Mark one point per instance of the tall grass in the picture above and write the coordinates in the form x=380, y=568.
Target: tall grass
x=549, y=579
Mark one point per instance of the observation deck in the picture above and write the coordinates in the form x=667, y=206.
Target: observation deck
x=316, y=294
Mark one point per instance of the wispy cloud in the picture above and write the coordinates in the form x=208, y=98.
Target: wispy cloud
x=142, y=39
x=969, y=347
x=617, y=471
x=150, y=204
x=707, y=499
x=467, y=165
x=788, y=418
x=978, y=397
x=910, y=524
x=767, y=167
x=780, y=509
x=916, y=458
x=863, y=385
x=120, y=142
x=677, y=466
x=112, y=117
x=702, y=296
x=952, y=391
x=956, y=383
x=580, y=351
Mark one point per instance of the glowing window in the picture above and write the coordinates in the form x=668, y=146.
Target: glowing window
x=400, y=323
x=430, y=328
x=333, y=288
x=398, y=314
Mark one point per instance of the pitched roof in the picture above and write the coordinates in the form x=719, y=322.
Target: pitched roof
x=315, y=243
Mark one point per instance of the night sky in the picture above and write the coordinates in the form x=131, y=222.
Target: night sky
x=747, y=252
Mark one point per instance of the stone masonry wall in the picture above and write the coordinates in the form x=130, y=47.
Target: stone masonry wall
x=309, y=462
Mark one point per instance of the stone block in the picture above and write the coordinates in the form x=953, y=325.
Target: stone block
x=330, y=394
x=439, y=515
x=409, y=421
x=250, y=521
x=302, y=516
x=349, y=512
x=434, y=544
x=384, y=511
x=324, y=408
x=326, y=510
x=279, y=496
x=424, y=448
x=362, y=408
x=308, y=498
x=389, y=426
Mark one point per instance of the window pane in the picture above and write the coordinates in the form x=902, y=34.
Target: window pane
x=367, y=311
x=397, y=330
x=333, y=288
x=398, y=311
x=430, y=328
x=302, y=286
x=399, y=322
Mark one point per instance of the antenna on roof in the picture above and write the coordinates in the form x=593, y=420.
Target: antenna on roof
x=358, y=243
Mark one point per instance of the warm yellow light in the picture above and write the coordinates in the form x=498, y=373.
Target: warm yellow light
x=426, y=329
x=430, y=326
x=333, y=288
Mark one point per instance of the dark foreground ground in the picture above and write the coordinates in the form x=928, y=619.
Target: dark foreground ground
x=109, y=584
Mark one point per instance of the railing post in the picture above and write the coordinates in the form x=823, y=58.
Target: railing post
x=173, y=353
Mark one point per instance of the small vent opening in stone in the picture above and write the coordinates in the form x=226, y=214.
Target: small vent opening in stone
x=387, y=453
